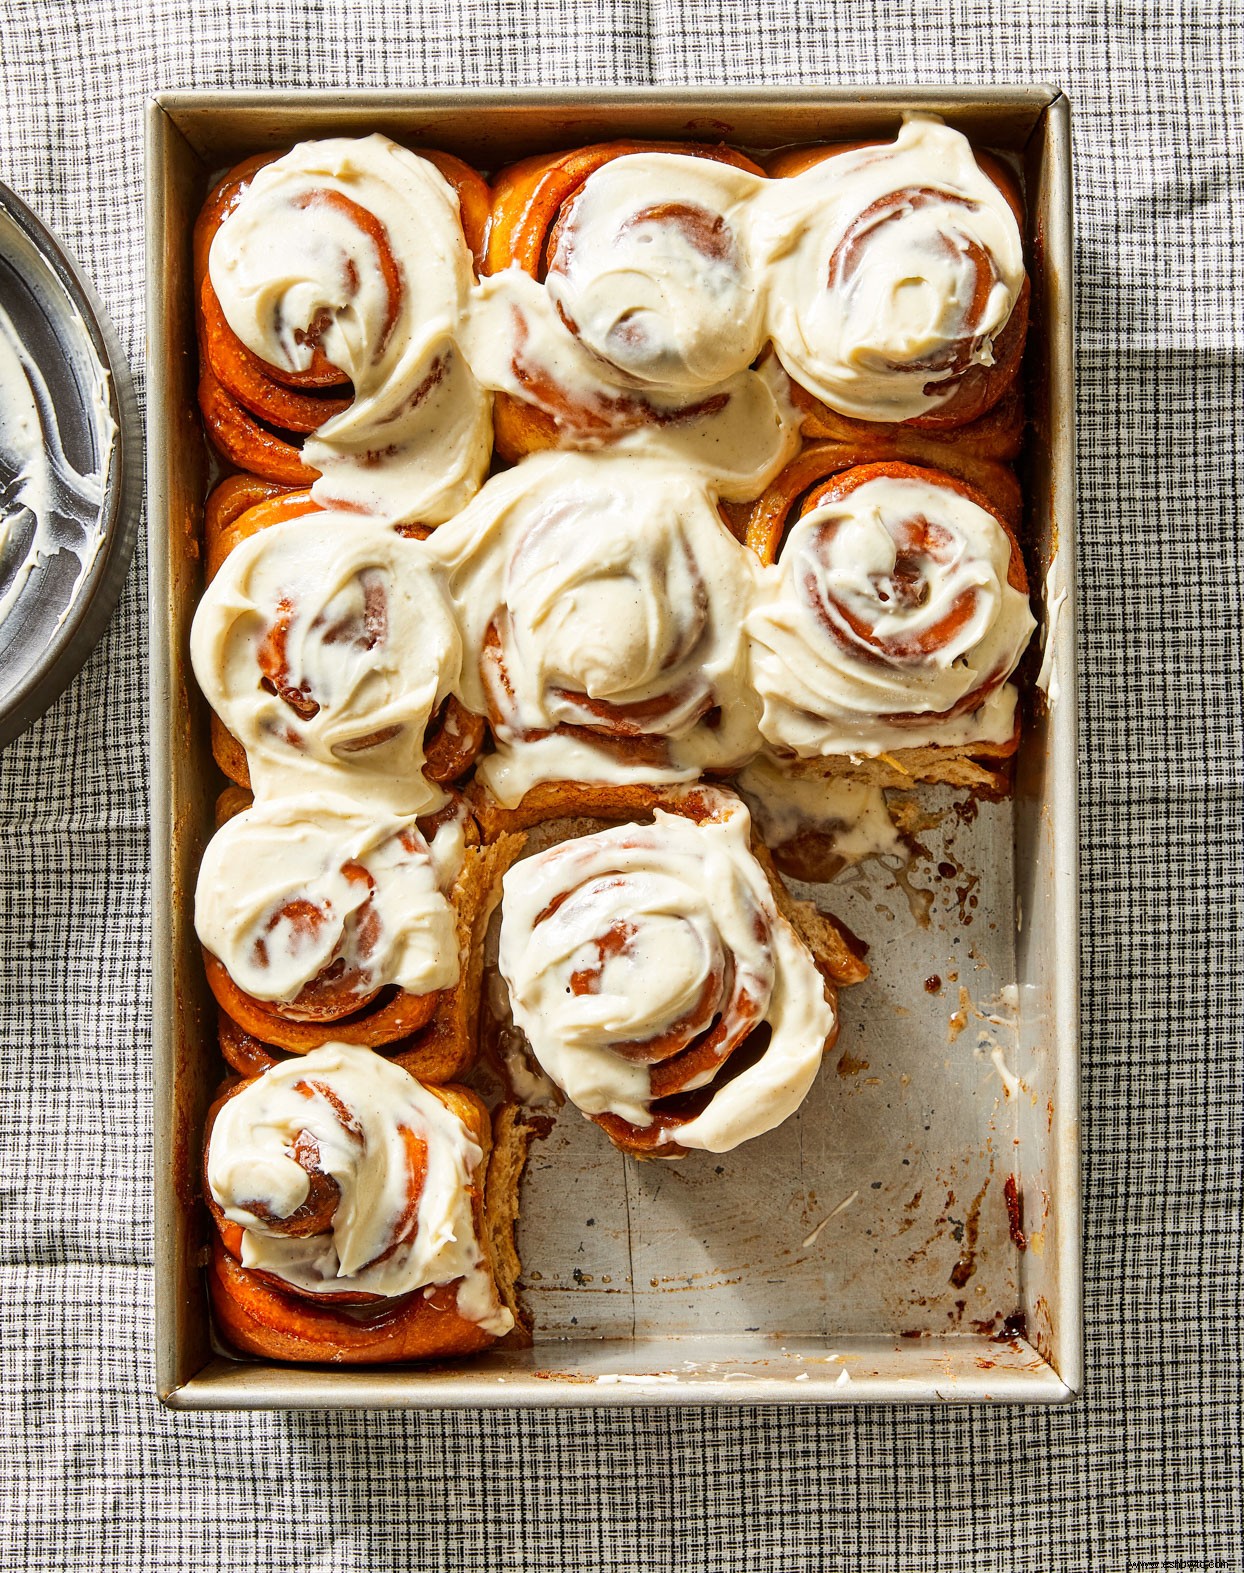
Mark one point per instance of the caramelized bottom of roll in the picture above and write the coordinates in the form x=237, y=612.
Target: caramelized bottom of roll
x=838, y=953
x=552, y=800
x=372, y=1026
x=984, y=768
x=259, y=1319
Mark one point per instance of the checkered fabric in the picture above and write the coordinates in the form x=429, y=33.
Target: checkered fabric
x=1143, y=1472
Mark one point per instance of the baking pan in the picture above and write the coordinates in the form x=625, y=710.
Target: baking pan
x=914, y=1233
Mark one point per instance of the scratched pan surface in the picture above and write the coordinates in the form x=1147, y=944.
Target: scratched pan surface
x=863, y=1252
x=55, y=613
x=881, y=1205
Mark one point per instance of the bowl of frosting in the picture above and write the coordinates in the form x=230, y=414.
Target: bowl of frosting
x=70, y=468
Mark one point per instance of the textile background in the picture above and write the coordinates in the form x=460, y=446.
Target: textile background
x=1145, y=1470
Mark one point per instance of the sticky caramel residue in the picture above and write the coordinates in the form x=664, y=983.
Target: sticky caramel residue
x=959, y=1019
x=965, y=1267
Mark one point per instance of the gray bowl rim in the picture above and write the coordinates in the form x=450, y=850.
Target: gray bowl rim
x=96, y=597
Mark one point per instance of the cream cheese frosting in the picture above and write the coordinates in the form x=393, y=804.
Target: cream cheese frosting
x=688, y=906
x=325, y=645
x=645, y=328
x=852, y=814
x=362, y=1112
x=358, y=241
x=290, y=887
x=651, y=269
x=889, y=270
x=888, y=622
x=47, y=508
x=601, y=593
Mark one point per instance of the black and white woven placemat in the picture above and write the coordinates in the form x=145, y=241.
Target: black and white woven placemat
x=1145, y=1471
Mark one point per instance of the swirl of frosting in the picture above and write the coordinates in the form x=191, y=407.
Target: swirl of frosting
x=658, y=984
x=325, y=645
x=622, y=308
x=646, y=267
x=896, y=612
x=893, y=273
x=346, y=1179
x=308, y=903
x=601, y=601
x=347, y=258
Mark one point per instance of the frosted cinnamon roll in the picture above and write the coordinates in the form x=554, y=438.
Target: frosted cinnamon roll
x=622, y=307
x=322, y=923
x=648, y=270
x=896, y=612
x=333, y=283
x=660, y=985
x=896, y=282
x=601, y=601
x=443, y=1048
x=348, y=1201
x=325, y=646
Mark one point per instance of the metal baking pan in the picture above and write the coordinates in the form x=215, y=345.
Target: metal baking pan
x=866, y=1251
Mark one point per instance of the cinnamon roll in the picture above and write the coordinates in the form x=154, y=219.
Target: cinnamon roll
x=241, y=504
x=469, y=873
x=895, y=613
x=661, y=983
x=762, y=523
x=601, y=601
x=349, y=1207
x=621, y=307
x=326, y=648
x=320, y=923
x=896, y=282
x=332, y=285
